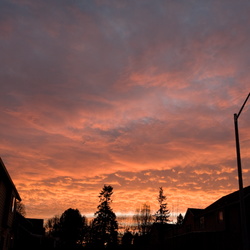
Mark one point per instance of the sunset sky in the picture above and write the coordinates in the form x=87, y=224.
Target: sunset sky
x=137, y=94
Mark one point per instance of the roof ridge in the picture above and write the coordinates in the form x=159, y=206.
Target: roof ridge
x=2, y=165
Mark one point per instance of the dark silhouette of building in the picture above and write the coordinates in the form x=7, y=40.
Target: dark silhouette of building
x=16, y=231
x=29, y=233
x=218, y=226
x=8, y=198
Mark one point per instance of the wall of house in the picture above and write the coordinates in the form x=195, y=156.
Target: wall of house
x=2, y=202
x=6, y=214
x=11, y=209
x=189, y=225
x=3, y=216
x=213, y=221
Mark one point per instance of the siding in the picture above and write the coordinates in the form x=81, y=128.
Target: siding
x=3, y=191
x=10, y=219
x=7, y=193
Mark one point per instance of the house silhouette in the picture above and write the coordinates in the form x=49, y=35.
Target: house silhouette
x=16, y=231
x=8, y=198
x=218, y=226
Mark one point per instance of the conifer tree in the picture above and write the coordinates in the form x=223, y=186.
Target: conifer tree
x=162, y=215
x=179, y=219
x=104, y=225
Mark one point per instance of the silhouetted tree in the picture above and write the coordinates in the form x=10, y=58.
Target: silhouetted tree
x=179, y=219
x=72, y=225
x=162, y=215
x=105, y=225
x=20, y=208
x=127, y=239
x=52, y=226
x=144, y=219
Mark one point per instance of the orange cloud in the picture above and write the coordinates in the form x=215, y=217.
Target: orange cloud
x=129, y=94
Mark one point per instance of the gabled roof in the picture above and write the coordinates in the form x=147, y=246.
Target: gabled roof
x=195, y=211
x=5, y=175
x=192, y=212
x=228, y=200
x=224, y=201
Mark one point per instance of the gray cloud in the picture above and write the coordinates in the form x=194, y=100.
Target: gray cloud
x=138, y=94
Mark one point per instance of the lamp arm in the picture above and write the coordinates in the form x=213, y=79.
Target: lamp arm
x=243, y=105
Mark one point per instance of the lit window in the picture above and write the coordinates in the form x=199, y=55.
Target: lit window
x=220, y=216
x=13, y=204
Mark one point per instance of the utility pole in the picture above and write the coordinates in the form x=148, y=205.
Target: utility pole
x=245, y=242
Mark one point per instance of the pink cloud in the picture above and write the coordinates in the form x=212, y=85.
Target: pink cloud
x=137, y=95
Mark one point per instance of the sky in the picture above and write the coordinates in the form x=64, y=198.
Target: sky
x=134, y=94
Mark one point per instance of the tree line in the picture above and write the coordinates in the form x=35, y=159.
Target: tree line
x=72, y=230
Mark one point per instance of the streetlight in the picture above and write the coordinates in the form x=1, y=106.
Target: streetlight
x=241, y=191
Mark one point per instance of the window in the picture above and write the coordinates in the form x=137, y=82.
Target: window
x=202, y=222
x=220, y=216
x=13, y=204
